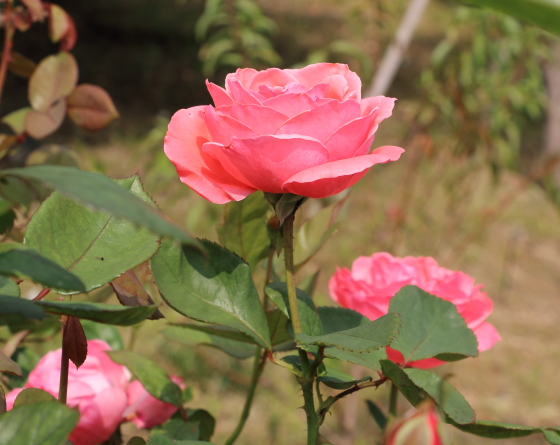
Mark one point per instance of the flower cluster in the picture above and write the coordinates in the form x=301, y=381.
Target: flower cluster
x=373, y=281
x=102, y=391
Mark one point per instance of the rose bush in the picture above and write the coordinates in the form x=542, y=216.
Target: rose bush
x=100, y=389
x=302, y=131
x=97, y=388
x=373, y=281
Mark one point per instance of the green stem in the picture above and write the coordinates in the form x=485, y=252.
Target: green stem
x=289, y=262
x=6, y=53
x=393, y=401
x=64, y=365
x=258, y=363
x=308, y=370
x=258, y=366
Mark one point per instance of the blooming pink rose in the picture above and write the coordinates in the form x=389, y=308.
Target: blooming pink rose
x=144, y=410
x=98, y=389
x=418, y=427
x=304, y=131
x=374, y=280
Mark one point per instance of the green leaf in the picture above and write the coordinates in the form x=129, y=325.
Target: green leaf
x=543, y=13
x=7, y=219
x=105, y=332
x=337, y=319
x=445, y=395
x=406, y=386
x=8, y=287
x=217, y=288
x=369, y=360
x=310, y=321
x=430, y=326
x=340, y=380
x=377, y=414
x=9, y=366
x=21, y=261
x=99, y=312
x=45, y=423
x=367, y=337
x=416, y=383
x=497, y=430
x=189, y=337
x=552, y=436
x=95, y=246
x=281, y=340
x=33, y=395
x=244, y=230
x=156, y=381
x=102, y=193
x=200, y=425
x=13, y=308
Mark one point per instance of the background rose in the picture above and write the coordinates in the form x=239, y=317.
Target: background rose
x=373, y=281
x=304, y=131
x=97, y=388
x=144, y=410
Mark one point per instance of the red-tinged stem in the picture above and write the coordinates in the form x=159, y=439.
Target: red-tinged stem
x=6, y=54
x=41, y=294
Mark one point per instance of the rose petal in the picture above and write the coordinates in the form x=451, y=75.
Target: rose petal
x=348, y=140
x=241, y=95
x=322, y=72
x=383, y=105
x=222, y=127
x=272, y=77
x=100, y=418
x=487, y=336
x=219, y=95
x=183, y=142
x=260, y=119
x=321, y=122
x=244, y=75
x=333, y=177
x=292, y=104
x=265, y=162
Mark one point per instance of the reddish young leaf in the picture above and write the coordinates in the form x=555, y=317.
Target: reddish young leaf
x=36, y=9
x=130, y=292
x=2, y=400
x=74, y=341
x=61, y=28
x=55, y=77
x=22, y=19
x=41, y=124
x=91, y=107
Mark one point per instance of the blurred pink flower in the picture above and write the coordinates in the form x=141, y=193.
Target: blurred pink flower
x=303, y=131
x=418, y=427
x=144, y=410
x=98, y=389
x=374, y=280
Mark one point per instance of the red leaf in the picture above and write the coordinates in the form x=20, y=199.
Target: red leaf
x=36, y=8
x=130, y=292
x=74, y=341
x=91, y=107
x=40, y=124
x=62, y=28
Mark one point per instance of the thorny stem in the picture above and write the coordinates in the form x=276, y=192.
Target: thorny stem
x=6, y=53
x=326, y=406
x=258, y=363
x=308, y=370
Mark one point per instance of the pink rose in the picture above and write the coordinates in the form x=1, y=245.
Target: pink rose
x=303, y=131
x=374, y=280
x=418, y=427
x=144, y=410
x=98, y=389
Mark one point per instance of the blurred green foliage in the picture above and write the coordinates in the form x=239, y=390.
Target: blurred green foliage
x=485, y=85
